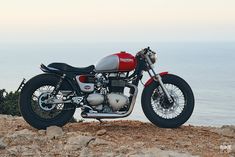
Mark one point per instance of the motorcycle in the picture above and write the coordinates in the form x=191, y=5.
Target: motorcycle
x=106, y=91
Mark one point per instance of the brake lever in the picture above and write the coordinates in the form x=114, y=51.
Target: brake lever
x=146, y=50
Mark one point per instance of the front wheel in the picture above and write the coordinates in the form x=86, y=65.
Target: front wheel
x=160, y=111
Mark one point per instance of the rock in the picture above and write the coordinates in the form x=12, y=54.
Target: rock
x=233, y=148
x=107, y=154
x=74, y=133
x=191, y=136
x=85, y=152
x=186, y=143
x=31, y=151
x=225, y=148
x=101, y=132
x=76, y=143
x=2, y=144
x=152, y=152
x=54, y=132
x=162, y=147
x=22, y=137
x=183, y=142
x=123, y=149
x=18, y=118
x=13, y=150
x=138, y=144
x=99, y=142
x=41, y=132
x=80, y=140
x=57, y=149
x=2, y=133
x=25, y=150
x=154, y=139
x=127, y=138
x=231, y=127
x=2, y=116
x=226, y=130
x=23, y=132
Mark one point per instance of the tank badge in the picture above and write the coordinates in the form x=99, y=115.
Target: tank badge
x=127, y=60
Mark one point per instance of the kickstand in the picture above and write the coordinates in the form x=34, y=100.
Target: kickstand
x=100, y=121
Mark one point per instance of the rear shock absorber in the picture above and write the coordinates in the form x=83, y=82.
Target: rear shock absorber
x=56, y=90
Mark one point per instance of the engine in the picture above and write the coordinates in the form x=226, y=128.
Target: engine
x=115, y=100
x=105, y=89
x=108, y=92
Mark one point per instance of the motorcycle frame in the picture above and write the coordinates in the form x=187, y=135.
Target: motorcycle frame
x=143, y=64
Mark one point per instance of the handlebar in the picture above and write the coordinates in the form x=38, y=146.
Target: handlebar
x=145, y=51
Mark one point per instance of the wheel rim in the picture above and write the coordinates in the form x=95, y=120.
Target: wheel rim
x=41, y=101
x=45, y=111
x=162, y=107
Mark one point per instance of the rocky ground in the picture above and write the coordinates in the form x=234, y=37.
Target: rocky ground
x=114, y=138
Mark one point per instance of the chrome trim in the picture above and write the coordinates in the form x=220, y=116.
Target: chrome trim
x=114, y=115
x=149, y=60
x=158, y=78
x=56, y=101
x=77, y=100
x=86, y=106
x=52, y=100
x=46, y=68
x=53, y=69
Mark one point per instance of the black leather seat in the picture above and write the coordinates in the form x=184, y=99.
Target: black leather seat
x=67, y=68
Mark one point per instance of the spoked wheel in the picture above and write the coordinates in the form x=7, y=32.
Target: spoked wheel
x=43, y=109
x=163, y=107
x=167, y=114
x=35, y=104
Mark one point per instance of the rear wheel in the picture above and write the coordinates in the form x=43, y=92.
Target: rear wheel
x=34, y=108
x=160, y=111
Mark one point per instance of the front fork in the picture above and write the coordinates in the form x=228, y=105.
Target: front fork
x=158, y=78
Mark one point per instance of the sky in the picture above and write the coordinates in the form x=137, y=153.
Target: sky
x=88, y=30
x=115, y=21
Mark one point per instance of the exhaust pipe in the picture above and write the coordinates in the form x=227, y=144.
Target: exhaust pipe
x=115, y=115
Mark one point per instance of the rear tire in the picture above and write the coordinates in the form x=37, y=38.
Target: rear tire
x=26, y=103
x=151, y=112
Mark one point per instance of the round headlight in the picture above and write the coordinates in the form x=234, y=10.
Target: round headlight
x=153, y=57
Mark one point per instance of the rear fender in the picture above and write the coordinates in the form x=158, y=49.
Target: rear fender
x=67, y=82
x=152, y=79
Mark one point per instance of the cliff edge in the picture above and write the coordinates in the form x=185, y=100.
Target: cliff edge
x=114, y=138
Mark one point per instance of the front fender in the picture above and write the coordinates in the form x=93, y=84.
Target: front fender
x=151, y=79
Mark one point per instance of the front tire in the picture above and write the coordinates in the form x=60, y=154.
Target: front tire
x=37, y=114
x=159, y=111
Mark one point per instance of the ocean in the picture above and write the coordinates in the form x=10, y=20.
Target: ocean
x=209, y=68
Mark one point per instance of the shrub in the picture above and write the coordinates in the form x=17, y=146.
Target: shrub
x=9, y=103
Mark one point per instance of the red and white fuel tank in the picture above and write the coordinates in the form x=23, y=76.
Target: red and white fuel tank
x=119, y=62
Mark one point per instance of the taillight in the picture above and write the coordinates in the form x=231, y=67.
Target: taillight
x=83, y=78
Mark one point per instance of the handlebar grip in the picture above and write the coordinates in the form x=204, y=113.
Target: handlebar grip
x=146, y=50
